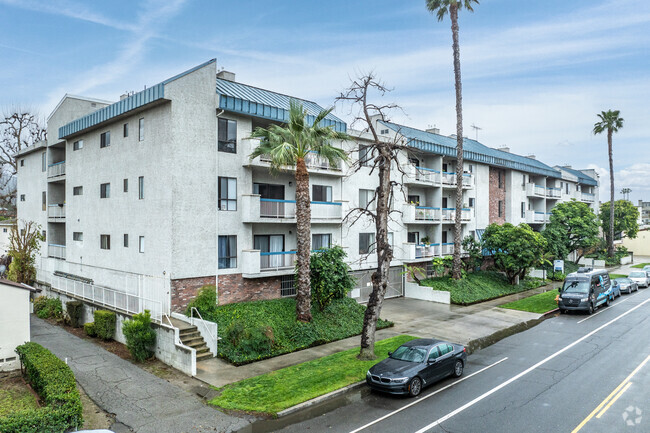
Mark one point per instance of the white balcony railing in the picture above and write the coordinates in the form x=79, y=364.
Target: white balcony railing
x=313, y=161
x=449, y=178
x=56, y=211
x=553, y=192
x=56, y=251
x=533, y=190
x=588, y=197
x=424, y=213
x=286, y=209
x=277, y=260
x=447, y=249
x=448, y=214
x=427, y=175
x=56, y=169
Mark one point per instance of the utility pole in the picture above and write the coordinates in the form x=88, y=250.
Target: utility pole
x=476, y=129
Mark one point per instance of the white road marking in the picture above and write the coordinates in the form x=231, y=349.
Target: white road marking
x=525, y=372
x=427, y=396
x=613, y=305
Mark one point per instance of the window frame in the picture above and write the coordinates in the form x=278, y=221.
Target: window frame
x=105, y=190
x=77, y=145
x=78, y=236
x=224, y=141
x=371, y=243
x=104, y=242
x=227, y=261
x=125, y=130
x=125, y=185
x=125, y=240
x=320, y=236
x=104, y=139
x=229, y=199
x=141, y=129
x=323, y=191
x=44, y=162
x=141, y=188
x=365, y=156
x=141, y=244
x=370, y=195
x=78, y=190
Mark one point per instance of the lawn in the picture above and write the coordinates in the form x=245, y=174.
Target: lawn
x=15, y=395
x=613, y=276
x=540, y=303
x=479, y=286
x=273, y=392
x=640, y=265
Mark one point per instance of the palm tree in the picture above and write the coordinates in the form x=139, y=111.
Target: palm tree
x=288, y=145
x=441, y=8
x=610, y=122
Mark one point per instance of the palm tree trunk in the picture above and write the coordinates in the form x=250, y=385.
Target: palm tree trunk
x=303, y=235
x=456, y=268
x=610, y=244
x=384, y=257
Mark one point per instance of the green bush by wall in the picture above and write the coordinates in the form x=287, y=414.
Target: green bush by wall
x=75, y=310
x=105, y=324
x=140, y=338
x=46, y=308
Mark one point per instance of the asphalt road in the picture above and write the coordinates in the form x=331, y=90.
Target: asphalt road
x=570, y=373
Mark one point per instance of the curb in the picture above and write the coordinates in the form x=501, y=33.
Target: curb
x=319, y=399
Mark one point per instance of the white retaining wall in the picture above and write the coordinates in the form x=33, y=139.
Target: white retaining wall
x=415, y=291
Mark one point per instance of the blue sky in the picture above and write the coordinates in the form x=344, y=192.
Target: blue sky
x=534, y=73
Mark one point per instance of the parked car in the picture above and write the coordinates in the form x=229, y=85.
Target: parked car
x=646, y=268
x=416, y=364
x=615, y=290
x=585, y=290
x=640, y=278
x=625, y=285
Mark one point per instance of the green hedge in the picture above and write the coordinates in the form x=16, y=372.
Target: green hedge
x=45, y=307
x=140, y=338
x=105, y=324
x=75, y=310
x=251, y=331
x=54, y=382
x=90, y=329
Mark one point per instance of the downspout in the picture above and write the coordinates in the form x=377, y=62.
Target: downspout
x=216, y=217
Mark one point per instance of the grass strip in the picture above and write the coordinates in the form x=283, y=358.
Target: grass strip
x=640, y=265
x=614, y=276
x=540, y=303
x=273, y=392
x=15, y=396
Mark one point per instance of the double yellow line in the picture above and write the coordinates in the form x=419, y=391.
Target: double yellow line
x=611, y=398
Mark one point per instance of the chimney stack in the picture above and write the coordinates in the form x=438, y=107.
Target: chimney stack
x=124, y=96
x=226, y=75
x=433, y=130
x=531, y=156
x=504, y=149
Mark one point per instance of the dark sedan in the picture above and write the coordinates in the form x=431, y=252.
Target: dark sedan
x=417, y=364
x=625, y=285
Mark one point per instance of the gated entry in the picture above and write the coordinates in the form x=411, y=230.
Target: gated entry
x=363, y=286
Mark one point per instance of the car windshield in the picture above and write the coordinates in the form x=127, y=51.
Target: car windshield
x=638, y=274
x=409, y=353
x=576, y=286
x=623, y=281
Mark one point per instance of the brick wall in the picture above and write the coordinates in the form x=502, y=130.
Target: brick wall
x=497, y=195
x=232, y=288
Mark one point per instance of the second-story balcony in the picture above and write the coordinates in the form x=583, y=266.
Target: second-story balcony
x=553, y=193
x=533, y=190
x=449, y=179
x=421, y=176
x=447, y=249
x=56, y=212
x=265, y=210
x=588, y=197
x=55, y=170
x=413, y=214
x=449, y=214
x=535, y=217
x=56, y=251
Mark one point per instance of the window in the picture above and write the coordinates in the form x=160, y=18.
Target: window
x=321, y=193
x=22, y=197
x=227, y=193
x=105, y=242
x=78, y=190
x=321, y=241
x=125, y=130
x=390, y=239
x=414, y=199
x=78, y=145
x=366, y=196
x=126, y=240
x=141, y=129
x=44, y=233
x=434, y=353
x=44, y=201
x=366, y=243
x=227, y=136
x=413, y=237
x=141, y=187
x=77, y=236
x=365, y=156
x=523, y=209
x=43, y=161
x=22, y=162
x=500, y=177
x=470, y=168
x=4, y=230
x=227, y=252
x=288, y=285
x=141, y=244
x=126, y=185
x=105, y=139
x=105, y=190
x=567, y=187
x=471, y=201
x=500, y=208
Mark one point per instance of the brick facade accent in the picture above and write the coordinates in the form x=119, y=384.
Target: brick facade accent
x=232, y=288
x=497, y=195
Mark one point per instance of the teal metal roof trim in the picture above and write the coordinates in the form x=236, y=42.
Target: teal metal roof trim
x=253, y=101
x=472, y=151
x=147, y=96
x=582, y=178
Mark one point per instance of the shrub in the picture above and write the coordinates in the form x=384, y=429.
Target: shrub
x=139, y=336
x=54, y=382
x=330, y=276
x=90, y=329
x=105, y=324
x=45, y=307
x=205, y=301
x=75, y=310
x=557, y=276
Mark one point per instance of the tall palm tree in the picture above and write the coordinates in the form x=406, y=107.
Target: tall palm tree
x=610, y=122
x=288, y=145
x=441, y=8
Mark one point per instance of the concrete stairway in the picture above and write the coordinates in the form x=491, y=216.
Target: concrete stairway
x=191, y=337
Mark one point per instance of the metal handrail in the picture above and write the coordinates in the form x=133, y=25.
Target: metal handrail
x=192, y=310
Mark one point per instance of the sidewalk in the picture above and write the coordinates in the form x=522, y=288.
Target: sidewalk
x=139, y=400
x=475, y=326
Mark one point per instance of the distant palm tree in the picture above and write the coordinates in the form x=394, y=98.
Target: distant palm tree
x=288, y=146
x=441, y=8
x=610, y=122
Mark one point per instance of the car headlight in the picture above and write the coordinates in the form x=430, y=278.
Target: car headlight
x=368, y=374
x=584, y=299
x=559, y=298
x=400, y=380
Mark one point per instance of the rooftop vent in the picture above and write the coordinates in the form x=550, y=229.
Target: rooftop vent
x=504, y=149
x=433, y=130
x=226, y=75
x=531, y=156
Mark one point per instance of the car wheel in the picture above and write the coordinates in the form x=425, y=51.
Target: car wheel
x=415, y=387
x=591, y=308
x=562, y=311
x=458, y=368
x=606, y=304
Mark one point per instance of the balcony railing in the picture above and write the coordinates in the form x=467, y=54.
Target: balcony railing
x=286, y=209
x=535, y=190
x=449, y=178
x=448, y=213
x=56, y=251
x=553, y=192
x=56, y=169
x=428, y=175
x=423, y=251
x=588, y=197
x=447, y=249
x=277, y=260
x=547, y=217
x=56, y=211
x=313, y=160
x=424, y=213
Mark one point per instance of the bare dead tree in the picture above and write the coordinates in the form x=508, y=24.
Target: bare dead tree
x=19, y=128
x=381, y=154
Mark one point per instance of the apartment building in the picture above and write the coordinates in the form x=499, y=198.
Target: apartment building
x=147, y=199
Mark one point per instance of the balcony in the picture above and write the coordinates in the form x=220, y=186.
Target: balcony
x=547, y=217
x=447, y=249
x=534, y=217
x=424, y=251
x=56, y=212
x=553, y=193
x=314, y=162
x=422, y=175
x=449, y=179
x=266, y=210
x=587, y=197
x=449, y=214
x=55, y=170
x=256, y=264
x=413, y=214
x=533, y=190
x=56, y=251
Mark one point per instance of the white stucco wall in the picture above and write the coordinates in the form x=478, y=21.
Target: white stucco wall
x=14, y=324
